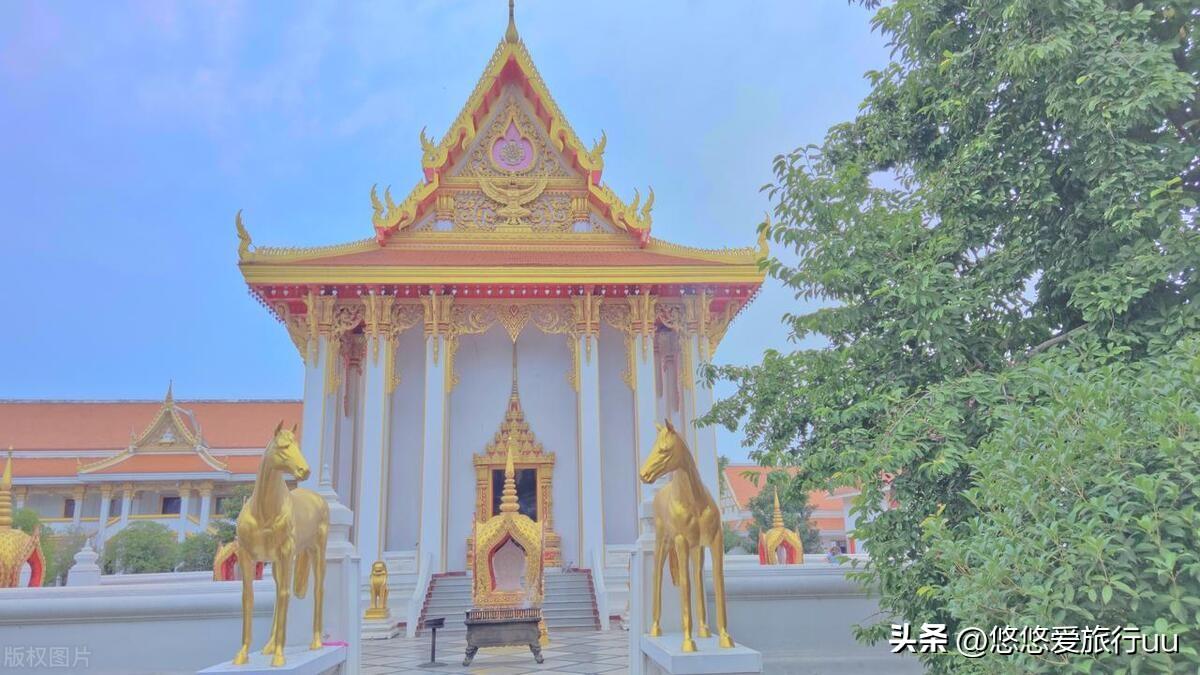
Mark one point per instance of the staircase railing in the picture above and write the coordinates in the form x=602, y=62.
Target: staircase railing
x=598, y=588
x=417, y=602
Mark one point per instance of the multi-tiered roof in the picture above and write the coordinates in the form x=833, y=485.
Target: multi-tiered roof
x=511, y=203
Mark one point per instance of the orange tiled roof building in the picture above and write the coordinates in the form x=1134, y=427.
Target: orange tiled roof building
x=99, y=465
x=831, y=510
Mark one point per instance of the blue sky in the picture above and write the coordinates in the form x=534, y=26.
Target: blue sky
x=131, y=132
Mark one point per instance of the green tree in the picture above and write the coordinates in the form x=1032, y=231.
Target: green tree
x=140, y=548
x=196, y=552
x=59, y=550
x=226, y=526
x=1014, y=205
x=793, y=503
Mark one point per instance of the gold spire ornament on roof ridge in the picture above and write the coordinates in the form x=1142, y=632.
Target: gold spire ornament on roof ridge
x=510, y=35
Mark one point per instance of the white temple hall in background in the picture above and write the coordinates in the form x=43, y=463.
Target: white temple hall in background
x=509, y=262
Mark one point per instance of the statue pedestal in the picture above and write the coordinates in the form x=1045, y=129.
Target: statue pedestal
x=380, y=627
x=664, y=655
x=300, y=661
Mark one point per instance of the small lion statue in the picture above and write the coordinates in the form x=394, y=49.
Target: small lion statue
x=379, y=591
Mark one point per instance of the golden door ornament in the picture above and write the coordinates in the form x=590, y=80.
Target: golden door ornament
x=686, y=519
x=288, y=528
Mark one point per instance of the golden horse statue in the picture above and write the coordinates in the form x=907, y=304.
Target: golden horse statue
x=288, y=528
x=686, y=519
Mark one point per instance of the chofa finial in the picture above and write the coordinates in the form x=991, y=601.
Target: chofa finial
x=244, y=241
x=510, y=35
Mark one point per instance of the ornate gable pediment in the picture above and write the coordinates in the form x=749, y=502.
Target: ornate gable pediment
x=173, y=430
x=511, y=163
x=168, y=431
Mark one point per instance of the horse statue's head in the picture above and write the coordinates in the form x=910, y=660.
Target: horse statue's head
x=668, y=454
x=283, y=454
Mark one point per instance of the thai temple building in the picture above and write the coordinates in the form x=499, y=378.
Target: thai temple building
x=510, y=241
x=100, y=465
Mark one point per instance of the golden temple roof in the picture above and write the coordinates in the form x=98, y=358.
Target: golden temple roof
x=543, y=225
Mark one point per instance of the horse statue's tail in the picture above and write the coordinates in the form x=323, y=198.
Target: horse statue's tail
x=303, y=564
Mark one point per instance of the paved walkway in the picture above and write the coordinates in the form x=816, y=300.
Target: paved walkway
x=569, y=653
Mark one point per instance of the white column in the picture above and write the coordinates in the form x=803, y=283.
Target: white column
x=19, y=495
x=433, y=457
x=78, y=494
x=699, y=402
x=645, y=394
x=591, y=498
x=206, y=490
x=376, y=437
x=105, y=507
x=313, y=432
x=126, y=499
x=185, y=505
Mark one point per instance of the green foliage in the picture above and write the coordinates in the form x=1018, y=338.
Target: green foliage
x=59, y=551
x=26, y=519
x=793, y=503
x=1005, y=244
x=734, y=538
x=1088, y=514
x=197, y=551
x=140, y=548
x=226, y=526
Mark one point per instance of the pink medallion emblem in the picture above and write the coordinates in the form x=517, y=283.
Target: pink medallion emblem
x=511, y=152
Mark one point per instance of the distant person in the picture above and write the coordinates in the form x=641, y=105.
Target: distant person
x=832, y=554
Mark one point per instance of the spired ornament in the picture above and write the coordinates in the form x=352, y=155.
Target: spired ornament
x=289, y=528
x=16, y=547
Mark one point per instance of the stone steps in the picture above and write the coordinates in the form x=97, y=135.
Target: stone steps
x=569, y=602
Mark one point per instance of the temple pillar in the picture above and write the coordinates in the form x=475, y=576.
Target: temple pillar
x=324, y=372
x=206, y=490
x=19, y=495
x=78, y=493
x=105, y=507
x=185, y=505
x=376, y=433
x=432, y=542
x=591, y=497
x=695, y=349
x=126, y=503
x=313, y=416
x=645, y=374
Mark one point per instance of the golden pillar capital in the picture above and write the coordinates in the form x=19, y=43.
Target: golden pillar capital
x=377, y=311
x=642, y=319
x=78, y=492
x=127, y=488
x=586, y=311
x=206, y=489
x=106, y=490
x=437, y=316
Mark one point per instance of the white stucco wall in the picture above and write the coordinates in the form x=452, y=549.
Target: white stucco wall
x=404, y=467
x=477, y=407
x=617, y=442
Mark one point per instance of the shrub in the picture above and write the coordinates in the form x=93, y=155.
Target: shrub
x=140, y=548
